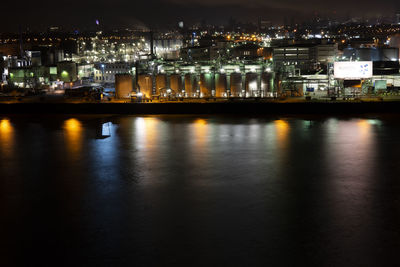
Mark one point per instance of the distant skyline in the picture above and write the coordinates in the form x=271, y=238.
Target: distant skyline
x=161, y=13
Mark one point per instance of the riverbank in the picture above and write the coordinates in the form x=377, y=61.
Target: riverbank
x=203, y=108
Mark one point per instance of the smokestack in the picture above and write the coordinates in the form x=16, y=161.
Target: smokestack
x=151, y=44
x=21, y=48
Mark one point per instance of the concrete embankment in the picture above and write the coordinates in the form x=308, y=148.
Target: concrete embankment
x=203, y=108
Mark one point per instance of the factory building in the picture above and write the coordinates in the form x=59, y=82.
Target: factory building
x=105, y=72
x=305, y=57
x=326, y=53
x=35, y=58
x=34, y=76
x=168, y=48
x=67, y=71
x=247, y=51
x=386, y=60
x=371, y=54
x=199, y=53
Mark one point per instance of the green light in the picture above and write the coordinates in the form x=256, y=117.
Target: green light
x=53, y=70
x=11, y=75
x=31, y=74
x=64, y=74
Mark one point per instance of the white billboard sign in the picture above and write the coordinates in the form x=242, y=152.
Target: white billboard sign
x=352, y=70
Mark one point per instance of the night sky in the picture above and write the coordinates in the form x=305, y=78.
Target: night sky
x=124, y=13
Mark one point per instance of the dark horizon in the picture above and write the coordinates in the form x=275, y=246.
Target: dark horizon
x=166, y=13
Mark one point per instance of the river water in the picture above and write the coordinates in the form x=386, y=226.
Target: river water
x=199, y=191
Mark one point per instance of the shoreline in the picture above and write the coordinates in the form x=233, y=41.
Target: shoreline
x=235, y=108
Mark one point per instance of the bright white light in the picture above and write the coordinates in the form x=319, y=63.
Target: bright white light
x=253, y=86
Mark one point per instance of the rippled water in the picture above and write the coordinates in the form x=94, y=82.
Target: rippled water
x=199, y=191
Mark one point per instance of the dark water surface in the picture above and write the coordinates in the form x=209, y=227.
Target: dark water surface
x=199, y=191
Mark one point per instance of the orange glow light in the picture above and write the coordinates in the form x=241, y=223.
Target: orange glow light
x=6, y=136
x=5, y=127
x=73, y=135
x=282, y=129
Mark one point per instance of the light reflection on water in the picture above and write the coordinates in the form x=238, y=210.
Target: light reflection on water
x=73, y=136
x=200, y=135
x=148, y=147
x=282, y=131
x=351, y=151
x=6, y=137
x=229, y=189
x=351, y=143
x=146, y=133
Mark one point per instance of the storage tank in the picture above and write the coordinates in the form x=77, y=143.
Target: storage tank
x=206, y=84
x=161, y=83
x=252, y=89
x=395, y=41
x=123, y=85
x=367, y=54
x=196, y=85
x=390, y=54
x=175, y=83
x=146, y=85
x=266, y=84
x=220, y=85
x=190, y=87
x=236, y=84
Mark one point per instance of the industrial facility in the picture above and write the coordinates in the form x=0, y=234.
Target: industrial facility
x=199, y=64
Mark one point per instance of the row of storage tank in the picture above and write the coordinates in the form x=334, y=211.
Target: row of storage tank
x=196, y=85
